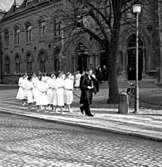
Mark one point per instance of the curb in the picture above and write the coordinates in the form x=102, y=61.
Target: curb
x=88, y=126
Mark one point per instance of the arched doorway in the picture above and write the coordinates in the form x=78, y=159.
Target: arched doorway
x=82, y=57
x=17, y=63
x=56, y=61
x=29, y=62
x=42, y=58
x=131, y=61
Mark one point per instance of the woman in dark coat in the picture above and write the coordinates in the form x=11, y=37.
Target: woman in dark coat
x=87, y=87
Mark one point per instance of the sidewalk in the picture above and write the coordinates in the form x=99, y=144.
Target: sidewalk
x=146, y=124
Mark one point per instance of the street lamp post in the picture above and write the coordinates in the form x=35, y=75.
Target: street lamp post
x=137, y=11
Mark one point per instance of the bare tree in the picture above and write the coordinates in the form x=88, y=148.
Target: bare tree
x=107, y=17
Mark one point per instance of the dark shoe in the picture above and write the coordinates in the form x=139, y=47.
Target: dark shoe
x=134, y=112
x=90, y=115
x=81, y=110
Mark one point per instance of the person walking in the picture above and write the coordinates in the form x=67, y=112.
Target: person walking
x=60, y=91
x=87, y=87
x=22, y=93
x=30, y=96
x=77, y=80
x=68, y=90
x=41, y=100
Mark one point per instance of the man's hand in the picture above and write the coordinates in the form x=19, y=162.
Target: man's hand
x=90, y=87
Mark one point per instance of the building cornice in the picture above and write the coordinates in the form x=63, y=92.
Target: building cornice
x=26, y=10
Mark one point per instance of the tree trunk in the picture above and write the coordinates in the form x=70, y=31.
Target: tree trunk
x=112, y=71
x=113, y=83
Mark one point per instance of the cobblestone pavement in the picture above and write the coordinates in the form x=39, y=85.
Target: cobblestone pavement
x=27, y=142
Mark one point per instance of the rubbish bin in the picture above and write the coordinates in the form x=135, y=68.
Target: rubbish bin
x=123, y=103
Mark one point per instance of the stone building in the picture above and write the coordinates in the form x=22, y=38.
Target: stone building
x=33, y=40
x=1, y=60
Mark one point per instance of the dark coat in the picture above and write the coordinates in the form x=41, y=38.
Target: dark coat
x=87, y=94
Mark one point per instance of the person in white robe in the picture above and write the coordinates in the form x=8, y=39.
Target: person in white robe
x=68, y=88
x=29, y=88
x=54, y=86
x=60, y=91
x=41, y=100
x=51, y=94
x=77, y=80
x=34, y=80
x=22, y=94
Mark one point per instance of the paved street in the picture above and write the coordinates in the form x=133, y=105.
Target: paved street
x=25, y=142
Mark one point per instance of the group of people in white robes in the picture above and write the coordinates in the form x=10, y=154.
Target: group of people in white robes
x=46, y=92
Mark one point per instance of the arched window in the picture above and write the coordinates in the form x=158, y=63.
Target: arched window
x=28, y=32
x=42, y=58
x=57, y=27
x=6, y=37
x=17, y=35
x=29, y=63
x=56, y=59
x=17, y=63
x=132, y=41
x=42, y=28
x=7, y=65
x=43, y=65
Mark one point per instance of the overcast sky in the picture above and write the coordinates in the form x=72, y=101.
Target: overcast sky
x=6, y=4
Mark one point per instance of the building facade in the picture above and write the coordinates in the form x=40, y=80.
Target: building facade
x=2, y=13
x=33, y=40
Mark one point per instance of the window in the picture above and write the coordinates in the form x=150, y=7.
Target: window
x=57, y=27
x=17, y=35
x=43, y=65
x=17, y=64
x=56, y=64
x=42, y=28
x=6, y=37
x=28, y=33
x=7, y=65
x=29, y=64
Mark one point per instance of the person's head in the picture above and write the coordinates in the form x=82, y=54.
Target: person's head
x=40, y=77
x=25, y=75
x=34, y=74
x=89, y=71
x=68, y=74
x=29, y=78
x=104, y=66
x=60, y=74
x=39, y=73
x=63, y=76
x=44, y=74
x=53, y=76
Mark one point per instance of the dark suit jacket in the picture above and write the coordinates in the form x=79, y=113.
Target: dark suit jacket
x=87, y=94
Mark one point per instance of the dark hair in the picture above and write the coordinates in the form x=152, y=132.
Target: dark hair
x=89, y=69
x=29, y=77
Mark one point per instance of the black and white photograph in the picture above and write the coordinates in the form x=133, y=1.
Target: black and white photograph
x=80, y=83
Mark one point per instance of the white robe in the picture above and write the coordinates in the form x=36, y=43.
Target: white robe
x=22, y=93
x=29, y=88
x=77, y=80
x=54, y=86
x=35, y=90
x=50, y=90
x=68, y=90
x=41, y=98
x=60, y=91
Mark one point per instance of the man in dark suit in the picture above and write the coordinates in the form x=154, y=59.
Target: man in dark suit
x=87, y=86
